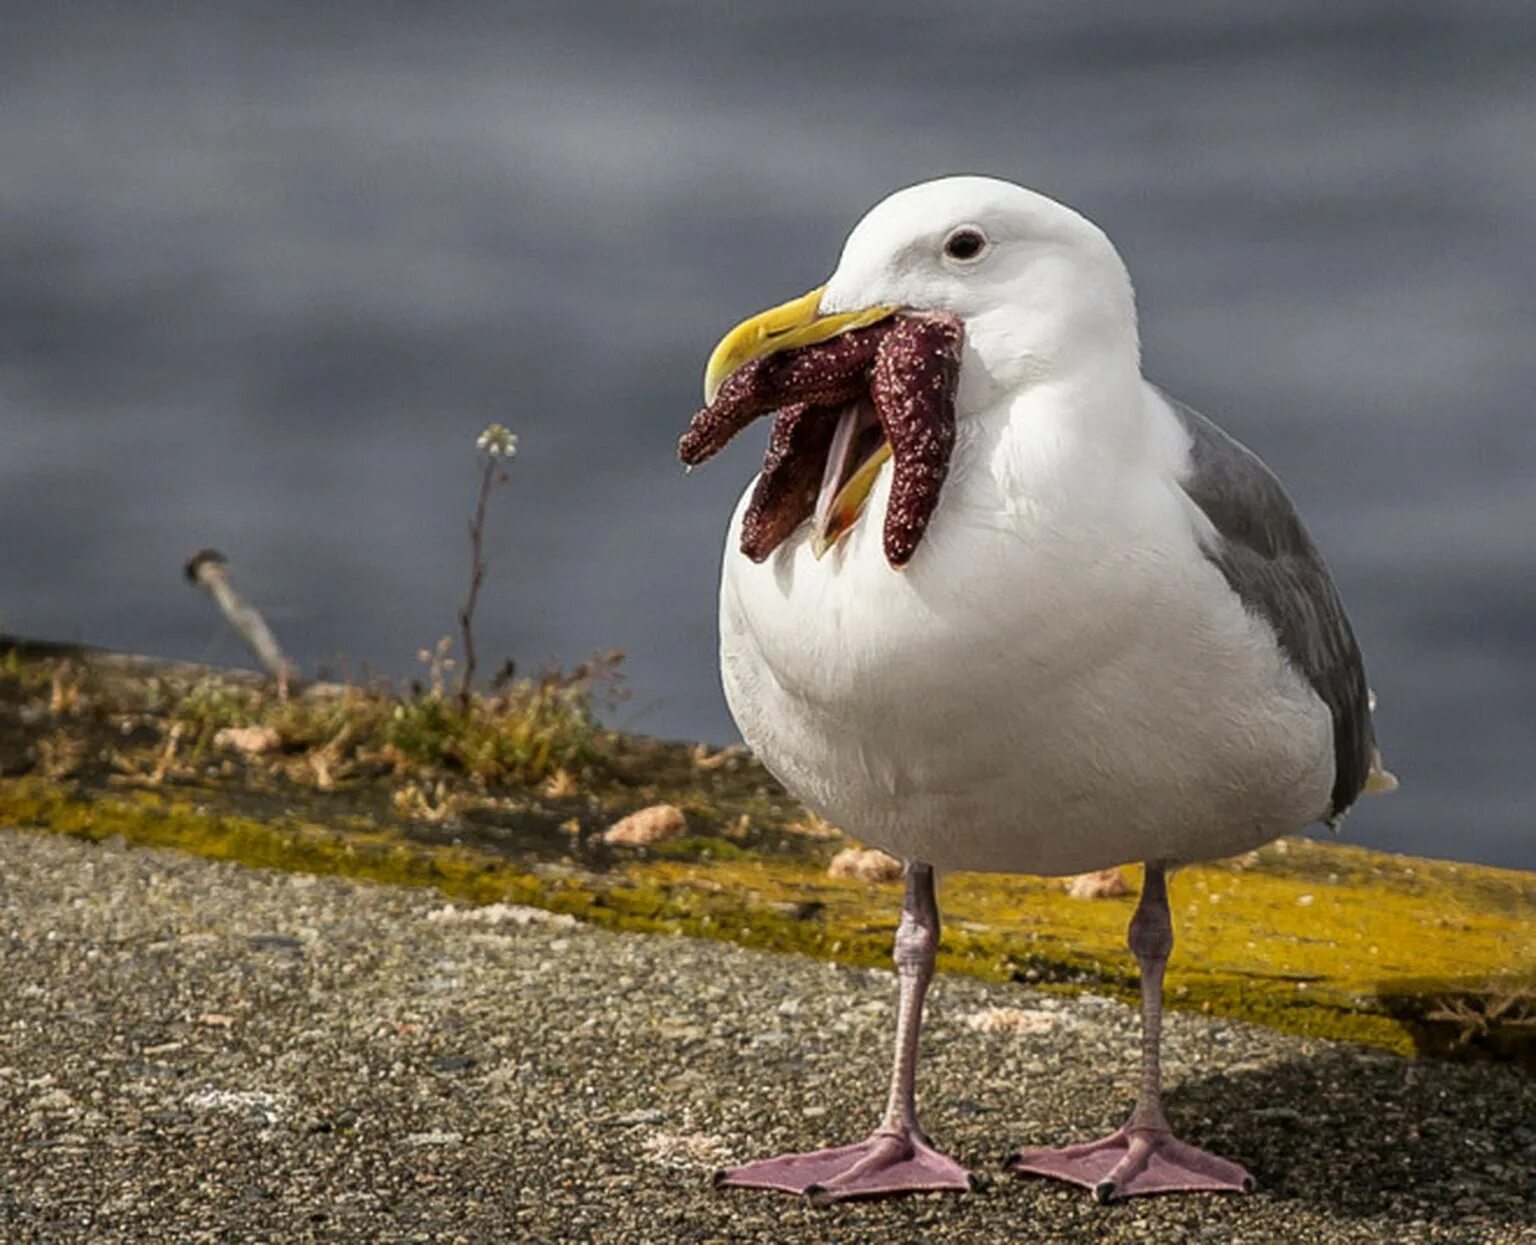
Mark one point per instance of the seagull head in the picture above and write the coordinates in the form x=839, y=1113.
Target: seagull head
x=1038, y=288
x=949, y=300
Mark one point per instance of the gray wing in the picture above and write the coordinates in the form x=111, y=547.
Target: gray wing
x=1271, y=563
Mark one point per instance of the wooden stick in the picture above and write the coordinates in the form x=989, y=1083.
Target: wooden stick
x=207, y=568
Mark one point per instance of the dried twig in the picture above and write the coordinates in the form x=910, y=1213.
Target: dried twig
x=208, y=569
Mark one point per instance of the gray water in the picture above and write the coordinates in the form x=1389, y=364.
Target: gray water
x=265, y=271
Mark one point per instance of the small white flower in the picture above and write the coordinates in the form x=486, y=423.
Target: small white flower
x=497, y=442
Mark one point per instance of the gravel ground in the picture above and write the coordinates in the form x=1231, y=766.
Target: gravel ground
x=192, y=1051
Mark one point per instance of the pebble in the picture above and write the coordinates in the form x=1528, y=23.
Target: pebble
x=435, y=1138
x=864, y=865
x=1100, y=884
x=250, y=740
x=655, y=824
x=500, y=914
x=1017, y=1020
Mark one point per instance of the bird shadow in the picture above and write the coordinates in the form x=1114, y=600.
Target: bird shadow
x=1362, y=1133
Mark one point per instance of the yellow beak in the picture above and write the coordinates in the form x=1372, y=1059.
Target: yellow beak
x=795, y=323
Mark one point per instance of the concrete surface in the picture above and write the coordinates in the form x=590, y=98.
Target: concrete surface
x=193, y=1051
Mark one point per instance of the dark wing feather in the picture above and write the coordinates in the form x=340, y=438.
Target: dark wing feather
x=1271, y=563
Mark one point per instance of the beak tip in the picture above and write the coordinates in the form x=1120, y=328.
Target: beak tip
x=755, y=337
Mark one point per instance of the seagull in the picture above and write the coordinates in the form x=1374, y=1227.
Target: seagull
x=998, y=603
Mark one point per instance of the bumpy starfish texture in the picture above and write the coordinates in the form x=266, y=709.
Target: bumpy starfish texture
x=916, y=372
x=826, y=375
x=786, y=490
x=907, y=368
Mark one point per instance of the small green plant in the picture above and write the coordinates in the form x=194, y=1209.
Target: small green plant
x=520, y=733
x=210, y=705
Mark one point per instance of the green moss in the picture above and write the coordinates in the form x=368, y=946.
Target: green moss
x=699, y=847
x=1366, y=959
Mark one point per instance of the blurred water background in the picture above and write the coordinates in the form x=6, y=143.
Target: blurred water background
x=266, y=270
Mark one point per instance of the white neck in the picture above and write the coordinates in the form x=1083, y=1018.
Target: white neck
x=1066, y=393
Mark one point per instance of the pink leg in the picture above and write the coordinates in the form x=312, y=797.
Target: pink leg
x=896, y=1158
x=1143, y=1156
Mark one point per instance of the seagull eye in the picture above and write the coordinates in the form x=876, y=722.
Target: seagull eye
x=965, y=243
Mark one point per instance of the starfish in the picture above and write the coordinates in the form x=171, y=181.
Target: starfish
x=844, y=407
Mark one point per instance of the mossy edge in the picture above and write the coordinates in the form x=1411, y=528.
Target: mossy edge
x=998, y=928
